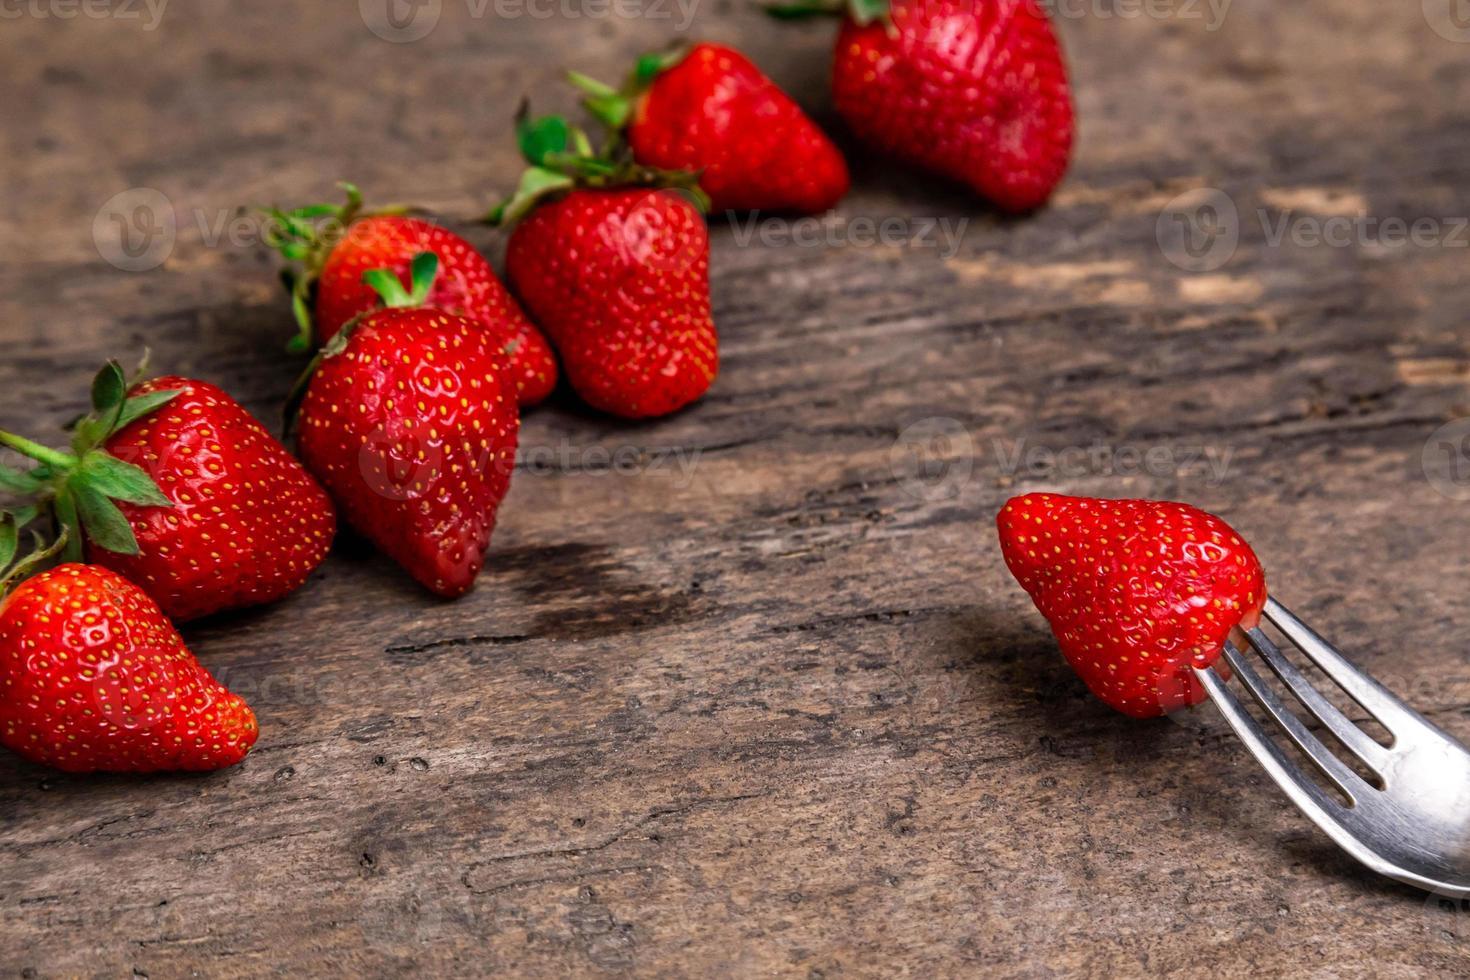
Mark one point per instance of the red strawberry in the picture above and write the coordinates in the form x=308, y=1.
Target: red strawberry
x=975, y=90
x=248, y=523
x=616, y=271
x=94, y=678
x=410, y=422
x=466, y=286
x=174, y=485
x=1136, y=591
x=710, y=110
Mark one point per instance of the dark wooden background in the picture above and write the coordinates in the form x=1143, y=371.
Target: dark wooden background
x=784, y=714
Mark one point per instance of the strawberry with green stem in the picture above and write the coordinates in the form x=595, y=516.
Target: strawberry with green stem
x=331, y=247
x=171, y=483
x=612, y=259
x=82, y=489
x=974, y=90
x=93, y=677
x=708, y=109
x=408, y=417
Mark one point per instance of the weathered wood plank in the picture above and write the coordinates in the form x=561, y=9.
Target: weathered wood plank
x=772, y=706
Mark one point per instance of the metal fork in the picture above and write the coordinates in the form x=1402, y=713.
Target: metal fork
x=1414, y=825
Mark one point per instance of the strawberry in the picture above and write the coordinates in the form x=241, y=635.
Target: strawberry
x=974, y=90
x=1136, y=591
x=334, y=258
x=172, y=484
x=708, y=109
x=409, y=419
x=613, y=261
x=93, y=678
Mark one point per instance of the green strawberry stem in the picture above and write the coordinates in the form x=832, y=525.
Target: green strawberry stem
x=12, y=575
x=613, y=107
x=862, y=12
x=305, y=240
x=80, y=490
x=9, y=539
x=38, y=452
x=421, y=274
x=562, y=160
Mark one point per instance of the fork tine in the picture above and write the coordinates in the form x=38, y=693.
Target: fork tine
x=1376, y=699
x=1330, y=765
x=1311, y=798
x=1343, y=729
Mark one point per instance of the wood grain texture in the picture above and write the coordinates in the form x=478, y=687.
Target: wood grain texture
x=772, y=707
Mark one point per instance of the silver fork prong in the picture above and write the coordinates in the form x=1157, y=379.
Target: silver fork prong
x=1376, y=699
x=1313, y=800
x=1349, y=782
x=1309, y=797
x=1340, y=725
x=1413, y=822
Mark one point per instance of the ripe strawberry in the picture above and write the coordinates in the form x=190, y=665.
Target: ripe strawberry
x=710, y=110
x=614, y=264
x=1136, y=591
x=975, y=90
x=174, y=485
x=410, y=422
x=94, y=678
x=335, y=258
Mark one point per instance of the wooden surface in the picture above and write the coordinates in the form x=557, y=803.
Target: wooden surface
x=782, y=714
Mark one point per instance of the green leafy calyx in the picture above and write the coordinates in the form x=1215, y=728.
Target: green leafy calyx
x=562, y=159
x=613, y=107
x=385, y=282
x=13, y=571
x=305, y=237
x=80, y=490
x=421, y=273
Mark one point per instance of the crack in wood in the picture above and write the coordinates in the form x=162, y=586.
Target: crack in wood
x=658, y=813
